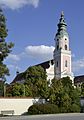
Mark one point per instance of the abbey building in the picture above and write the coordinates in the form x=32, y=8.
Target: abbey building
x=60, y=65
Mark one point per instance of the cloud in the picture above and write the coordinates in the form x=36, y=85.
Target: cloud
x=78, y=65
x=40, y=52
x=13, y=57
x=16, y=4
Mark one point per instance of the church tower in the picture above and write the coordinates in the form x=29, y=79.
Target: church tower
x=62, y=53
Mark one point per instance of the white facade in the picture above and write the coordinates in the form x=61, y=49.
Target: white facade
x=50, y=72
x=62, y=53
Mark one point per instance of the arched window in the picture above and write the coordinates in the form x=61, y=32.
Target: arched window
x=66, y=63
x=65, y=47
x=57, y=64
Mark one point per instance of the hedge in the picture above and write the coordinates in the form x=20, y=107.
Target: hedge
x=43, y=109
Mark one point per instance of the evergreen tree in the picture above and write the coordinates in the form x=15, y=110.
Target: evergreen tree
x=5, y=48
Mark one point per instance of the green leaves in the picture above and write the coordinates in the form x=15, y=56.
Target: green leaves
x=5, y=48
x=82, y=90
x=64, y=95
x=36, y=80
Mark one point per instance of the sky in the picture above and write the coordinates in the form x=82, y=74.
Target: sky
x=32, y=25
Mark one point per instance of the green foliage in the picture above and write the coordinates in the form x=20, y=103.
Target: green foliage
x=36, y=73
x=36, y=84
x=28, y=91
x=36, y=80
x=82, y=90
x=66, y=103
x=64, y=95
x=56, y=92
x=5, y=48
x=1, y=88
x=75, y=96
x=75, y=108
x=16, y=89
x=43, y=109
x=8, y=90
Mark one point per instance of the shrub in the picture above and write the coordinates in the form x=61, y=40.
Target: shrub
x=62, y=110
x=75, y=108
x=43, y=109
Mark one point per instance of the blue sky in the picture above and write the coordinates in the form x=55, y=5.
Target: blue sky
x=32, y=25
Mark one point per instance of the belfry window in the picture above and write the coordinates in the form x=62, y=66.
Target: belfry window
x=65, y=47
x=66, y=63
x=57, y=64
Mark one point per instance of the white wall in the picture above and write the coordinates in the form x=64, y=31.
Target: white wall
x=50, y=72
x=19, y=105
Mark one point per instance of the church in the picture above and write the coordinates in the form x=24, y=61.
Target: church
x=60, y=65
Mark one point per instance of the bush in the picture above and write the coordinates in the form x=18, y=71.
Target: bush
x=43, y=109
x=63, y=110
x=75, y=108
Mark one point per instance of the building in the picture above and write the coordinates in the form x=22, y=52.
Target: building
x=79, y=80
x=60, y=66
x=48, y=67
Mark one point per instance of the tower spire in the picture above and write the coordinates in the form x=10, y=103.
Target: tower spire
x=62, y=30
x=62, y=53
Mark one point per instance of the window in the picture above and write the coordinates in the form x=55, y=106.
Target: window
x=57, y=47
x=66, y=63
x=57, y=39
x=65, y=47
x=65, y=39
x=57, y=64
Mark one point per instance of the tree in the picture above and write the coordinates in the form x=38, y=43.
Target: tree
x=28, y=91
x=5, y=48
x=64, y=95
x=1, y=88
x=56, y=92
x=82, y=90
x=17, y=90
x=9, y=90
x=36, y=80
